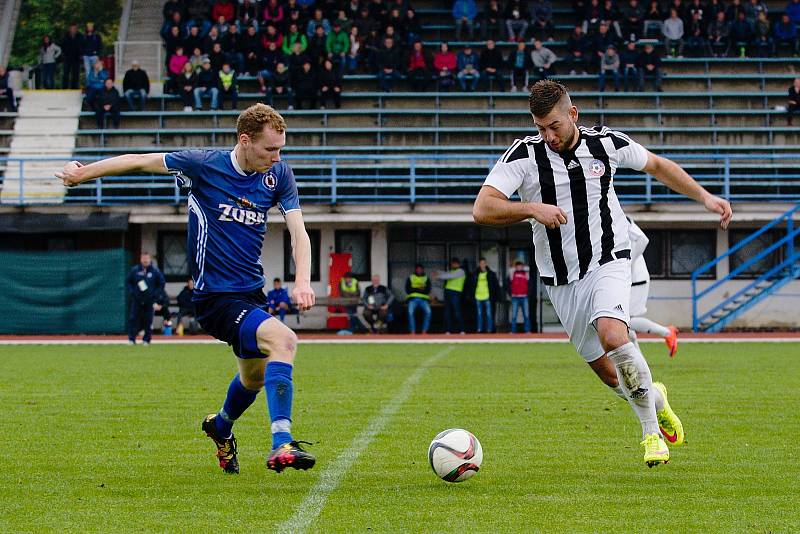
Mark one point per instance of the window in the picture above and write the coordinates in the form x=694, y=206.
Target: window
x=655, y=254
x=690, y=249
x=358, y=244
x=751, y=250
x=172, y=256
x=288, y=259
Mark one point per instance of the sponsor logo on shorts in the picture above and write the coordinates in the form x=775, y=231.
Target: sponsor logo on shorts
x=241, y=314
x=619, y=308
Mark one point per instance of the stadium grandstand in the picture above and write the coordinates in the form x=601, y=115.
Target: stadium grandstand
x=388, y=174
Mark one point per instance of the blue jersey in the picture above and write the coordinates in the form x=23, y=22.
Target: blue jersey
x=276, y=296
x=228, y=216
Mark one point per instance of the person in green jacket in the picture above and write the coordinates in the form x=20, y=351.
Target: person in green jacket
x=337, y=45
x=418, y=291
x=294, y=36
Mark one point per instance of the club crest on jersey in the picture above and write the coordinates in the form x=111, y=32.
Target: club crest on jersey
x=270, y=181
x=597, y=168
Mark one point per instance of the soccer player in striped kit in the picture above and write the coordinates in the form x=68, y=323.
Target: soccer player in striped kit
x=564, y=178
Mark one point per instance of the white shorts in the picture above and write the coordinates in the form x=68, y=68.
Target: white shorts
x=603, y=292
x=639, y=295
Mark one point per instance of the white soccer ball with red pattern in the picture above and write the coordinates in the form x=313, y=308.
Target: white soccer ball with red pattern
x=455, y=455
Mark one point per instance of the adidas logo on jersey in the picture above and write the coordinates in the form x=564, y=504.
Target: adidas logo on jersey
x=573, y=164
x=232, y=213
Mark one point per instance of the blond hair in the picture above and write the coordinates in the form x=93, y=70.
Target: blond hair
x=252, y=121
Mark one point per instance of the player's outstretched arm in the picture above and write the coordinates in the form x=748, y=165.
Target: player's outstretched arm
x=302, y=293
x=75, y=172
x=673, y=176
x=494, y=209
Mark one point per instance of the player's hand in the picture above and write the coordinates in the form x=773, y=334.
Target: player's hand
x=719, y=205
x=68, y=174
x=550, y=216
x=303, y=296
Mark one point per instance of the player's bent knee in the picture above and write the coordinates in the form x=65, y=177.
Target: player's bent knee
x=277, y=340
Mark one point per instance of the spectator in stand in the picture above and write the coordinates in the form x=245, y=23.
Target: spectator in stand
x=651, y=67
x=198, y=15
x=418, y=71
x=578, y=10
x=193, y=40
x=485, y=289
x=464, y=13
x=173, y=39
x=213, y=37
x=207, y=86
x=520, y=62
x=673, y=34
x=71, y=50
x=543, y=59
x=225, y=9
x=793, y=103
x=542, y=20
x=492, y=26
x=216, y=57
x=296, y=60
x=6, y=93
x=467, y=66
x=741, y=33
x=696, y=42
x=282, y=86
x=719, y=33
x=632, y=19
x=609, y=66
x=247, y=14
x=379, y=11
x=171, y=7
x=418, y=291
x=377, y=301
x=348, y=288
x=712, y=8
x=517, y=18
x=653, y=19
x=175, y=22
x=786, y=34
x=272, y=57
x=273, y=14
x=95, y=83
x=92, y=45
x=754, y=8
x=601, y=40
x=196, y=59
x=629, y=61
x=175, y=67
x=579, y=54
x=318, y=47
x=518, y=288
x=49, y=53
x=388, y=61
x=135, y=86
x=228, y=86
x=278, y=301
x=337, y=44
x=236, y=45
x=696, y=6
x=454, y=281
x=186, y=309
x=396, y=21
x=144, y=283
x=733, y=10
x=612, y=16
x=271, y=36
x=763, y=43
x=330, y=85
x=445, y=64
x=305, y=86
x=411, y=26
x=318, y=20
x=353, y=9
x=185, y=84
x=491, y=66
x=593, y=17
x=354, y=58
x=292, y=37
x=365, y=23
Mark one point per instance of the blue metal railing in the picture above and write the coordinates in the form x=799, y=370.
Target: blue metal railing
x=729, y=304
x=358, y=178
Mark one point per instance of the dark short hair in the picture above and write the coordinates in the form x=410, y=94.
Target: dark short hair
x=418, y=266
x=349, y=274
x=545, y=94
x=455, y=260
x=481, y=259
x=276, y=280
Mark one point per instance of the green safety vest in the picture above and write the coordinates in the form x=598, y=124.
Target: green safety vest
x=349, y=288
x=418, y=283
x=456, y=284
x=482, y=287
x=226, y=79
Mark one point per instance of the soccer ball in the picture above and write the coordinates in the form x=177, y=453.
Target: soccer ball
x=455, y=455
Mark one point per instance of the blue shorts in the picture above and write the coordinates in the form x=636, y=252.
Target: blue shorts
x=234, y=319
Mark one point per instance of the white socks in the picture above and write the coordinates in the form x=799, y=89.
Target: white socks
x=646, y=326
x=637, y=384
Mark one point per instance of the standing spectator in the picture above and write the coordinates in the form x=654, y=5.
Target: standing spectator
x=741, y=33
x=485, y=289
x=49, y=53
x=305, y=86
x=630, y=61
x=144, y=283
x=542, y=19
x=330, y=85
x=673, y=34
x=464, y=13
x=719, y=32
x=445, y=63
x=281, y=85
x=491, y=67
x=186, y=309
x=337, y=44
x=348, y=288
x=6, y=92
x=185, y=84
x=107, y=103
x=135, y=86
x=175, y=66
x=418, y=291
x=228, y=86
x=516, y=20
x=454, y=279
x=578, y=51
x=696, y=43
x=651, y=67
x=786, y=34
x=794, y=101
x=543, y=59
x=72, y=50
x=520, y=63
x=632, y=19
x=417, y=70
x=388, y=61
x=377, y=300
x=609, y=66
x=492, y=26
x=207, y=86
x=92, y=46
x=467, y=66
x=763, y=42
x=518, y=288
x=225, y=9
x=278, y=301
x=95, y=82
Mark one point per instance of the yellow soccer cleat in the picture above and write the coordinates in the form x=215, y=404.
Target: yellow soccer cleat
x=669, y=424
x=655, y=450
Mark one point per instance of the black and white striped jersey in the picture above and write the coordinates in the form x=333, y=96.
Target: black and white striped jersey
x=581, y=183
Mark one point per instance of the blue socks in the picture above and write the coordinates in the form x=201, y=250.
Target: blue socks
x=282, y=316
x=238, y=400
x=278, y=388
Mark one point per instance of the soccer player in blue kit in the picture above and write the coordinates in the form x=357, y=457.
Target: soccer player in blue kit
x=230, y=194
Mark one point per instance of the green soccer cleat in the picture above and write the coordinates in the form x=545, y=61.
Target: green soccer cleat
x=226, y=447
x=669, y=424
x=290, y=455
x=655, y=450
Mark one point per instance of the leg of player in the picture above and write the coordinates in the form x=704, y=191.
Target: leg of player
x=669, y=333
x=282, y=309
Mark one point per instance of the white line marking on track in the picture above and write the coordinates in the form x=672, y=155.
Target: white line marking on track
x=331, y=477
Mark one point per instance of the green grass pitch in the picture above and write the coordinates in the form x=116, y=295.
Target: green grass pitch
x=107, y=439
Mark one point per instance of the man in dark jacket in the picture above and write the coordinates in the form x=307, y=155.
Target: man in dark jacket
x=579, y=51
x=186, y=309
x=107, y=103
x=6, y=93
x=71, y=52
x=207, y=85
x=491, y=65
x=144, y=283
x=377, y=300
x=91, y=47
x=135, y=86
x=651, y=67
x=388, y=61
x=305, y=87
x=485, y=289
